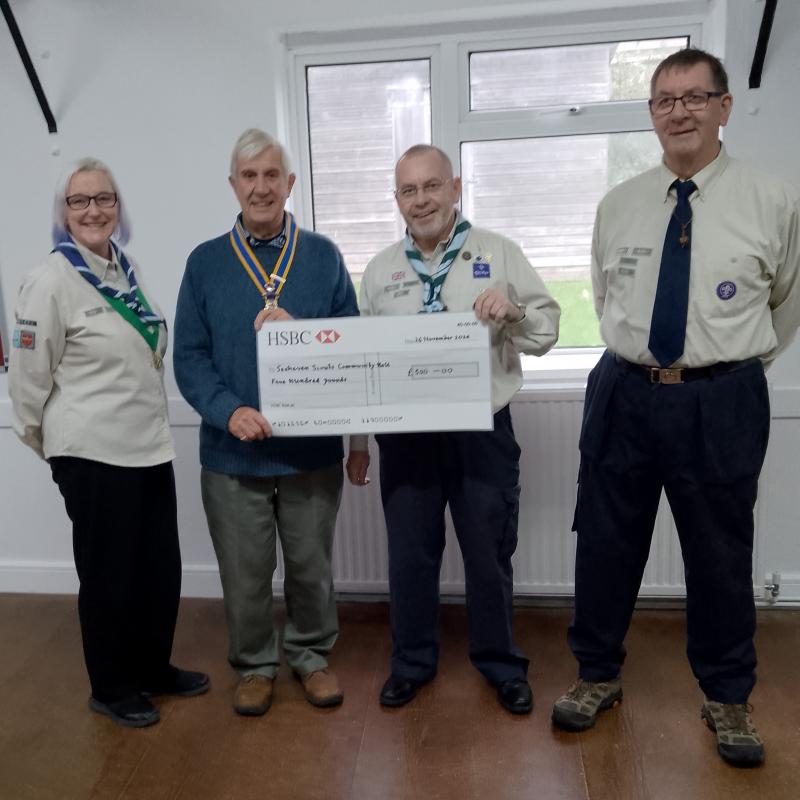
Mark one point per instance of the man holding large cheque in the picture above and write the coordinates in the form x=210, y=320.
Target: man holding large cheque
x=256, y=486
x=444, y=264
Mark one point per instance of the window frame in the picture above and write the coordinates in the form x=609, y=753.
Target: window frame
x=453, y=122
x=301, y=133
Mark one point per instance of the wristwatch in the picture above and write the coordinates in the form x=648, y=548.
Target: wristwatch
x=524, y=309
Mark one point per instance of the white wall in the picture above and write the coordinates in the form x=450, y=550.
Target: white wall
x=764, y=128
x=765, y=121
x=160, y=90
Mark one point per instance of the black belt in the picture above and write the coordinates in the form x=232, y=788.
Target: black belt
x=671, y=375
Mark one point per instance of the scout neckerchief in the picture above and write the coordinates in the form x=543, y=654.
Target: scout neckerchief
x=432, y=281
x=269, y=286
x=132, y=305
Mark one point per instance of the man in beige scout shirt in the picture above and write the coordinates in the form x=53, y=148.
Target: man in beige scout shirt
x=679, y=401
x=445, y=264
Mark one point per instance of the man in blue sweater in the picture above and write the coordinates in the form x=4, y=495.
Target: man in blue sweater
x=255, y=487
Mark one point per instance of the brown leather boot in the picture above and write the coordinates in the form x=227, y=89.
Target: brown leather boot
x=253, y=695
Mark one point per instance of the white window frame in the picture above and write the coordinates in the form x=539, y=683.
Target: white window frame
x=611, y=116
x=453, y=122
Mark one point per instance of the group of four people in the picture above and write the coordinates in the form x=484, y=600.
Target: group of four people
x=694, y=270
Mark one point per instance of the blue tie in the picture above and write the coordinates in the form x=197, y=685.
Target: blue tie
x=668, y=324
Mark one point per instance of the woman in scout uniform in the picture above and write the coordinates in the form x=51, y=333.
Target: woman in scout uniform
x=88, y=396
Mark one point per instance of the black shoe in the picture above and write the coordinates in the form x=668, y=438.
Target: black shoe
x=397, y=691
x=515, y=696
x=132, y=712
x=181, y=683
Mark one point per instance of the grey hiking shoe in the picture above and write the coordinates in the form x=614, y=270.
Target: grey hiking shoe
x=577, y=709
x=738, y=741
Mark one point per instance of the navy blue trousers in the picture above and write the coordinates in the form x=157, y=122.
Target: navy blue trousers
x=703, y=443
x=477, y=474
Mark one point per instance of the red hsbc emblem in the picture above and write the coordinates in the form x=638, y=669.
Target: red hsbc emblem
x=328, y=336
x=398, y=276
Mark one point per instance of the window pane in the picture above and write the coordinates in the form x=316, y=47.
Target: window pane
x=543, y=194
x=362, y=117
x=548, y=76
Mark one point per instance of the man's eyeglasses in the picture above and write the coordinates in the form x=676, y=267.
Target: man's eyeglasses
x=78, y=202
x=692, y=101
x=409, y=192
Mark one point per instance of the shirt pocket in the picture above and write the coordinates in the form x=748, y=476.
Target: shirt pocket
x=621, y=274
x=399, y=297
x=728, y=286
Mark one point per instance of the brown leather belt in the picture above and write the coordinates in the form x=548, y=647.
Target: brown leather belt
x=673, y=375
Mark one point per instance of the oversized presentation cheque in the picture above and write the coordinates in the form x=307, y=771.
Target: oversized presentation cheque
x=426, y=372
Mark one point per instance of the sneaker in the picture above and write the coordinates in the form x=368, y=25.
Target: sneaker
x=577, y=709
x=322, y=688
x=253, y=695
x=738, y=741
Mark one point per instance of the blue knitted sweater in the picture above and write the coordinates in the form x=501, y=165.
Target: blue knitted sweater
x=215, y=348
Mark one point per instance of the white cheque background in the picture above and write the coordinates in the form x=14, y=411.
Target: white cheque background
x=375, y=374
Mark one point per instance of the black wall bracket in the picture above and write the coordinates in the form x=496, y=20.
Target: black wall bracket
x=761, y=44
x=28, y=64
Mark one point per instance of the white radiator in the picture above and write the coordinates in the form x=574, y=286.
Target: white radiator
x=547, y=430
x=37, y=557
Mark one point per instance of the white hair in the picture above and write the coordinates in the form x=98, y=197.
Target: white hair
x=252, y=143
x=122, y=233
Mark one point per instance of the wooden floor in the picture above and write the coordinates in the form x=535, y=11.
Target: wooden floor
x=453, y=741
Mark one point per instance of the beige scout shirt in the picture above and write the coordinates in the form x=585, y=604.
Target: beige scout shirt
x=390, y=286
x=82, y=379
x=744, y=297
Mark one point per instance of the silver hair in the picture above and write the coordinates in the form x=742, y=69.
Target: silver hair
x=122, y=233
x=252, y=143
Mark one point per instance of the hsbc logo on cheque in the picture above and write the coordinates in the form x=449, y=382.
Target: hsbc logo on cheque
x=281, y=338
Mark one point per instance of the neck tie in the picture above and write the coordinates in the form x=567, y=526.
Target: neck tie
x=668, y=323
